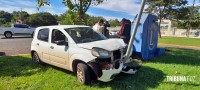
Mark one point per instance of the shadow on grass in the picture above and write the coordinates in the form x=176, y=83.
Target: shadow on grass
x=180, y=56
x=144, y=79
x=16, y=66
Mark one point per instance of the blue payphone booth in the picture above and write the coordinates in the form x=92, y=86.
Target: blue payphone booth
x=145, y=45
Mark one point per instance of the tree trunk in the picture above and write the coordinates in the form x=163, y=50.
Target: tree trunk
x=188, y=32
x=160, y=17
x=159, y=28
x=81, y=13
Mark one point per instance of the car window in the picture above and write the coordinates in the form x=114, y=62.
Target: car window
x=20, y=26
x=17, y=26
x=24, y=26
x=57, y=35
x=84, y=34
x=43, y=35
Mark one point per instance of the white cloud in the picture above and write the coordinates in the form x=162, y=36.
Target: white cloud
x=29, y=6
x=26, y=3
x=128, y=6
x=106, y=17
x=53, y=10
x=16, y=5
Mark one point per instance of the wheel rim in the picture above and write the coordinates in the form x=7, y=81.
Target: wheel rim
x=79, y=74
x=8, y=35
x=36, y=58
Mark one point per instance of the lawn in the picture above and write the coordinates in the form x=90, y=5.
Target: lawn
x=18, y=72
x=180, y=41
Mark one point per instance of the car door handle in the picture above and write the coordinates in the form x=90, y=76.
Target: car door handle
x=52, y=47
x=38, y=44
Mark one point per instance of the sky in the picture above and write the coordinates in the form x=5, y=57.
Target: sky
x=109, y=9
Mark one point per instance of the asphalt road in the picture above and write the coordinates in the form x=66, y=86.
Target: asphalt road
x=14, y=46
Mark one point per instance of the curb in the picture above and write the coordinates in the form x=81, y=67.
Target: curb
x=179, y=46
x=14, y=55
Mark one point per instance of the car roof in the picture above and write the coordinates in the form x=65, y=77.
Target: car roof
x=63, y=26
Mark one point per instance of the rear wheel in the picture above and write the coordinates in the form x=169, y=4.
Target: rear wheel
x=83, y=74
x=8, y=34
x=35, y=58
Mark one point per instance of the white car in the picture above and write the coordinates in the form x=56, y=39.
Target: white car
x=114, y=32
x=17, y=29
x=79, y=49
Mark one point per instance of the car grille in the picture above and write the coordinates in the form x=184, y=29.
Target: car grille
x=117, y=54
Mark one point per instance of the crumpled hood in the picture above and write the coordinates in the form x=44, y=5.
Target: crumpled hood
x=109, y=44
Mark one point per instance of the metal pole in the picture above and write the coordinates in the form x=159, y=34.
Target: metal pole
x=21, y=14
x=129, y=50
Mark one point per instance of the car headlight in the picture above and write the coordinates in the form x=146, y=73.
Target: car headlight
x=100, y=53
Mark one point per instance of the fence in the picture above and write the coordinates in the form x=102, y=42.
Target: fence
x=173, y=33
x=180, y=33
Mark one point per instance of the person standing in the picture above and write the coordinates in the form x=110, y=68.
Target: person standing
x=125, y=30
x=99, y=27
x=105, y=30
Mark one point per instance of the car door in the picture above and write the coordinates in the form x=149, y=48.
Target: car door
x=27, y=30
x=58, y=53
x=19, y=29
x=42, y=44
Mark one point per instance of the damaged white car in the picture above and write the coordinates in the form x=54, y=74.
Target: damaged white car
x=80, y=49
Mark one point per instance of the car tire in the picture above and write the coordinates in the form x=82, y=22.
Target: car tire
x=83, y=74
x=32, y=34
x=8, y=34
x=36, y=58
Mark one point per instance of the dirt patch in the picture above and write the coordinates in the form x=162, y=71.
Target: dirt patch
x=179, y=46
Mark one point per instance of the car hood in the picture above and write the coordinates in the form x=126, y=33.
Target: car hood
x=109, y=44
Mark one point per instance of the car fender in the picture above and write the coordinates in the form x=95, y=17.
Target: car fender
x=32, y=30
x=3, y=30
x=82, y=57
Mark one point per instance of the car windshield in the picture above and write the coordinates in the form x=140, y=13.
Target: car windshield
x=84, y=34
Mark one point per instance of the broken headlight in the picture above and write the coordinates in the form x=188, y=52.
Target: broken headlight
x=100, y=53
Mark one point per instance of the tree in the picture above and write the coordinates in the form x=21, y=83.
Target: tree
x=114, y=23
x=187, y=17
x=64, y=19
x=163, y=7
x=89, y=20
x=187, y=21
x=76, y=8
x=5, y=17
x=41, y=19
x=23, y=15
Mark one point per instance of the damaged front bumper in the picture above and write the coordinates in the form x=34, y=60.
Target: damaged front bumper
x=108, y=75
x=106, y=71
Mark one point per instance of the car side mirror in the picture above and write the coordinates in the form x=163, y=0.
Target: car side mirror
x=61, y=42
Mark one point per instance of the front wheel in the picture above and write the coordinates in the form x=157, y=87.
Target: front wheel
x=83, y=74
x=8, y=34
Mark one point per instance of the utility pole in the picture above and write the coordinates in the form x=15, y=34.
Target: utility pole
x=21, y=14
x=130, y=45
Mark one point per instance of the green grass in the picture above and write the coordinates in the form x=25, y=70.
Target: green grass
x=180, y=41
x=18, y=72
